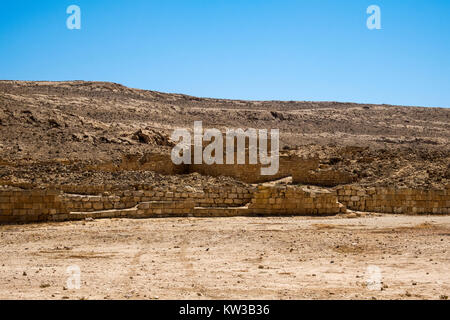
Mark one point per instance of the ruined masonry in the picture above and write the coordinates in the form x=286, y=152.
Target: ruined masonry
x=62, y=203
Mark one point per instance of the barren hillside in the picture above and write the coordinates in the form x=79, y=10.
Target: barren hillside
x=50, y=130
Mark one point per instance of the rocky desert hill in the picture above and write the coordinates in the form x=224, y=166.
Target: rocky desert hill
x=55, y=132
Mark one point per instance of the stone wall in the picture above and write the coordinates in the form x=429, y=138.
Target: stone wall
x=29, y=205
x=303, y=171
x=391, y=200
x=108, y=201
x=250, y=173
x=149, y=209
x=208, y=196
x=59, y=204
x=295, y=200
x=42, y=205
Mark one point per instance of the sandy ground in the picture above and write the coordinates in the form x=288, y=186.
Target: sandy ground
x=230, y=258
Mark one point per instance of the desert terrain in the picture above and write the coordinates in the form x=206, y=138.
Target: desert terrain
x=229, y=258
x=89, y=148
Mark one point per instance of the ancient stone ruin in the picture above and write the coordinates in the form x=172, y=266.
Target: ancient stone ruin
x=76, y=150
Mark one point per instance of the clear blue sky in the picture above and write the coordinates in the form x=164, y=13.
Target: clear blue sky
x=265, y=49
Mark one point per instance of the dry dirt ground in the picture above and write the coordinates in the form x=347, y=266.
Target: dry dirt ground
x=229, y=258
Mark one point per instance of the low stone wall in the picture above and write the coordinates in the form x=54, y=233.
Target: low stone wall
x=251, y=173
x=295, y=200
x=160, y=201
x=208, y=197
x=30, y=205
x=391, y=200
x=42, y=205
x=304, y=171
x=150, y=209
